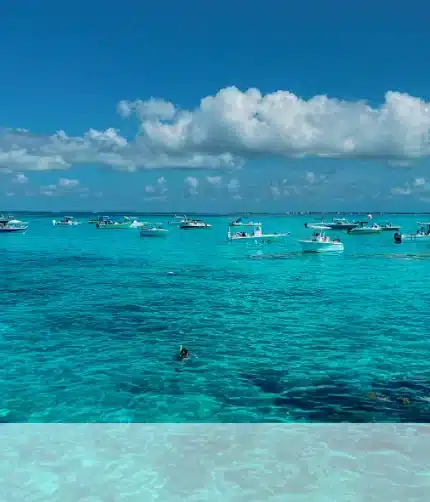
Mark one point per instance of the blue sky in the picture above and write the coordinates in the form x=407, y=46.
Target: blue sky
x=140, y=106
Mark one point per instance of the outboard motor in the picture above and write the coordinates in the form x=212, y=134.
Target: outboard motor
x=306, y=225
x=397, y=238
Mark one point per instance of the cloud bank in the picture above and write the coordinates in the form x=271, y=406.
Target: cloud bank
x=228, y=129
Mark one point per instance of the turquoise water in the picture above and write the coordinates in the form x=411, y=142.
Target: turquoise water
x=91, y=323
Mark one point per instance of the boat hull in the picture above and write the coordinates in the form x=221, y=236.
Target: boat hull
x=364, y=231
x=119, y=226
x=258, y=238
x=408, y=238
x=12, y=230
x=309, y=246
x=390, y=229
x=154, y=233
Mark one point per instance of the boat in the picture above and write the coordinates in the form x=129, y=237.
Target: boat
x=336, y=224
x=10, y=226
x=67, y=221
x=421, y=235
x=240, y=223
x=364, y=229
x=321, y=243
x=179, y=220
x=190, y=224
x=107, y=223
x=256, y=234
x=387, y=226
x=153, y=231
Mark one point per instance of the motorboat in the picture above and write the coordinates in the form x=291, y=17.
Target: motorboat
x=321, y=243
x=67, y=221
x=10, y=226
x=240, y=223
x=387, y=226
x=365, y=229
x=336, y=224
x=179, y=220
x=421, y=235
x=255, y=235
x=153, y=231
x=194, y=224
x=107, y=223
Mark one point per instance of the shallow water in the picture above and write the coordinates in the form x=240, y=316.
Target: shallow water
x=91, y=324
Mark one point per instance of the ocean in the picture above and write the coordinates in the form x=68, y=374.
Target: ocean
x=91, y=321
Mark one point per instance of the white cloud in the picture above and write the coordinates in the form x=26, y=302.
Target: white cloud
x=68, y=183
x=20, y=178
x=161, y=180
x=419, y=182
x=149, y=189
x=275, y=191
x=231, y=127
x=10, y=194
x=64, y=186
x=191, y=184
x=233, y=185
x=214, y=180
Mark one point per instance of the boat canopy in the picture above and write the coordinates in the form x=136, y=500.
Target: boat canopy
x=424, y=224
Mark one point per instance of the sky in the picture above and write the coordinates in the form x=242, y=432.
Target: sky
x=223, y=106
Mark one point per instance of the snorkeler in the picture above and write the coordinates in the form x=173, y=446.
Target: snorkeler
x=183, y=353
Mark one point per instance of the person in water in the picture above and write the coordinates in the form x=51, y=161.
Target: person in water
x=183, y=353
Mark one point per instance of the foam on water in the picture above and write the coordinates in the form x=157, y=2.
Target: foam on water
x=91, y=322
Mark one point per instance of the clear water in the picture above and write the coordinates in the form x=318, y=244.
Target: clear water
x=91, y=322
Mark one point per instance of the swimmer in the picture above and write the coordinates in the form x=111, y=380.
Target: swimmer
x=183, y=353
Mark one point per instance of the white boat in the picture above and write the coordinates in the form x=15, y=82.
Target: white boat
x=179, y=220
x=388, y=227
x=321, y=243
x=191, y=224
x=421, y=235
x=67, y=221
x=363, y=229
x=256, y=234
x=8, y=226
x=335, y=224
x=153, y=231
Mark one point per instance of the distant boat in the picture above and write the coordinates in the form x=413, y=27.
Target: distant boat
x=153, y=231
x=421, y=235
x=194, y=224
x=67, y=221
x=320, y=243
x=364, y=229
x=256, y=234
x=10, y=226
x=386, y=226
x=336, y=224
x=107, y=223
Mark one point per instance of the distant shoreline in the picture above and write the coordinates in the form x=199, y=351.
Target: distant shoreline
x=243, y=214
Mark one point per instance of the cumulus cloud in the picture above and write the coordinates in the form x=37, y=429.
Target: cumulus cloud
x=417, y=186
x=233, y=185
x=64, y=186
x=214, y=180
x=20, y=178
x=191, y=184
x=149, y=189
x=231, y=127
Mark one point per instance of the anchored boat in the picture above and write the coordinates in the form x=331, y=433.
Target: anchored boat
x=255, y=235
x=107, y=223
x=364, y=229
x=335, y=224
x=153, y=231
x=321, y=243
x=190, y=224
x=67, y=221
x=10, y=226
x=421, y=235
